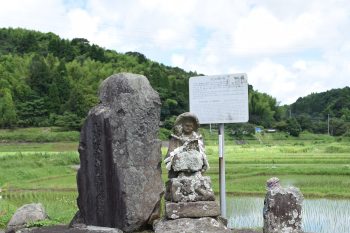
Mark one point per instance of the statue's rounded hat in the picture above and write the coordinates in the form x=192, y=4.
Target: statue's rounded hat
x=188, y=116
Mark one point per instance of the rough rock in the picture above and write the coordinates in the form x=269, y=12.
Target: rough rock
x=189, y=188
x=119, y=180
x=26, y=214
x=191, y=209
x=65, y=229
x=190, y=225
x=95, y=229
x=190, y=161
x=282, y=208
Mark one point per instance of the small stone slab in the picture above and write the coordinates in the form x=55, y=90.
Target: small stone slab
x=190, y=225
x=191, y=209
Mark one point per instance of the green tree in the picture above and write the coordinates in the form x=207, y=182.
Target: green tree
x=8, y=116
x=33, y=112
x=262, y=108
x=39, y=75
x=69, y=121
x=293, y=127
x=61, y=81
x=338, y=127
x=54, y=99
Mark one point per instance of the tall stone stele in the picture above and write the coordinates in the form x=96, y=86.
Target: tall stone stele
x=119, y=180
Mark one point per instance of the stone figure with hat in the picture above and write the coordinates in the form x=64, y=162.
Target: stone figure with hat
x=189, y=197
x=186, y=153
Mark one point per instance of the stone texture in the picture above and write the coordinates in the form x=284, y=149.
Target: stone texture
x=119, y=180
x=190, y=161
x=189, y=188
x=65, y=229
x=282, y=208
x=191, y=209
x=190, y=225
x=26, y=214
x=95, y=229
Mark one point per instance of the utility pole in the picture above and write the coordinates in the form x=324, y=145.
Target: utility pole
x=222, y=179
x=328, y=124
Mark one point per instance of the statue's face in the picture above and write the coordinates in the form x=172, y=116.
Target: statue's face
x=187, y=127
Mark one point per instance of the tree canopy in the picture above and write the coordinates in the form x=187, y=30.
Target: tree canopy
x=47, y=81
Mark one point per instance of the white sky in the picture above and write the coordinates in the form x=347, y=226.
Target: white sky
x=288, y=48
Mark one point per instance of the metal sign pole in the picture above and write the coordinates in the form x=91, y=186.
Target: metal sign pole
x=222, y=171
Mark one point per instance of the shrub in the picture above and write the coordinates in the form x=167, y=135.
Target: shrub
x=164, y=134
x=293, y=127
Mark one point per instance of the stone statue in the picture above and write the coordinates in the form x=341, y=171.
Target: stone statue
x=186, y=153
x=186, y=161
x=190, y=204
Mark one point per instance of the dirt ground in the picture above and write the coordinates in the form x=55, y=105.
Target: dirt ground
x=245, y=231
x=64, y=229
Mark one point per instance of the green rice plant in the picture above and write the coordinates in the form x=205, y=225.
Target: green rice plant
x=337, y=149
x=47, y=134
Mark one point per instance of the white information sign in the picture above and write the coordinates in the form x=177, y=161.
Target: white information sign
x=219, y=98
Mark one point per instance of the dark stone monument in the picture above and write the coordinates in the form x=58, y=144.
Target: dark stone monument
x=119, y=180
x=282, y=208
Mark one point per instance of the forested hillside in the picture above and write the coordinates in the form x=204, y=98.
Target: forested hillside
x=49, y=81
x=46, y=80
x=313, y=111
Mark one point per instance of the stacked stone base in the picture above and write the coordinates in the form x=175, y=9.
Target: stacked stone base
x=191, y=207
x=191, y=188
x=191, y=225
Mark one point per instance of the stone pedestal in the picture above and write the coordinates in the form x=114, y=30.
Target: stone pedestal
x=282, y=208
x=189, y=188
x=191, y=225
x=191, y=209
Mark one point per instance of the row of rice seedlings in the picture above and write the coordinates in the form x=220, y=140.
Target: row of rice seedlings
x=326, y=216
x=318, y=215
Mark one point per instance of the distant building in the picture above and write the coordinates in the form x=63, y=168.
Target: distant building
x=258, y=130
x=271, y=131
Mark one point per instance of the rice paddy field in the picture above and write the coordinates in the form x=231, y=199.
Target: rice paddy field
x=35, y=171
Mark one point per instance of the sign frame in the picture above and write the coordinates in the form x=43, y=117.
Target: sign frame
x=218, y=99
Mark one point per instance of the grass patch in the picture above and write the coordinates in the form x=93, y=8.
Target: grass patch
x=17, y=147
x=60, y=206
x=44, y=134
